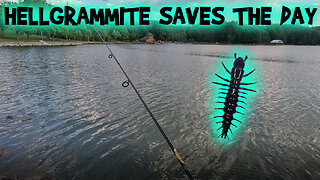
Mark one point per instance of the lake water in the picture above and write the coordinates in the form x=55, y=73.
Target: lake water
x=72, y=119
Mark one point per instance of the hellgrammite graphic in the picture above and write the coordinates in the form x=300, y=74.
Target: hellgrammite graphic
x=232, y=94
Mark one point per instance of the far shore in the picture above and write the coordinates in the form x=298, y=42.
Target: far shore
x=44, y=43
x=17, y=43
x=41, y=43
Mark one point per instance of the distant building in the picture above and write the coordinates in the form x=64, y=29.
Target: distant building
x=276, y=42
x=147, y=39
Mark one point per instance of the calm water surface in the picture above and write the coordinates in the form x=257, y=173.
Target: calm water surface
x=72, y=119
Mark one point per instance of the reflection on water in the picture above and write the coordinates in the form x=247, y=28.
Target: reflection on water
x=73, y=120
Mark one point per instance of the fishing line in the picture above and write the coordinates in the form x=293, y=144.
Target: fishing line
x=129, y=82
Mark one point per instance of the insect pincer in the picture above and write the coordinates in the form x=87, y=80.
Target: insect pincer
x=240, y=58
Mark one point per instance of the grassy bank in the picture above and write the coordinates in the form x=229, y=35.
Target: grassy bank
x=11, y=38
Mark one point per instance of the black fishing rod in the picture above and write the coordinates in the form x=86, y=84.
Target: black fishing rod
x=126, y=84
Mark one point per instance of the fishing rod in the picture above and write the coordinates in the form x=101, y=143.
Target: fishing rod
x=126, y=84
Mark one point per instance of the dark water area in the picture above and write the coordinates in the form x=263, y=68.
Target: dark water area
x=72, y=119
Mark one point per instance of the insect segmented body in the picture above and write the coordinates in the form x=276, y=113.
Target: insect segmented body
x=232, y=94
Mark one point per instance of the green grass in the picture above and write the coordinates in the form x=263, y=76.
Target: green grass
x=11, y=36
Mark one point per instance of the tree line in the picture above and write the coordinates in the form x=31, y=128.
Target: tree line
x=228, y=33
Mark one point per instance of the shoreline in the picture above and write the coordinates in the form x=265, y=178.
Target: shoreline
x=44, y=43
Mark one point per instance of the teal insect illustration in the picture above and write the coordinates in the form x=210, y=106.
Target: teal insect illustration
x=235, y=93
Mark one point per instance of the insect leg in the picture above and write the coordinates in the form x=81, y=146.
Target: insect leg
x=234, y=125
x=223, y=89
x=220, y=102
x=225, y=68
x=218, y=122
x=242, y=107
x=248, y=89
x=219, y=108
x=248, y=83
x=239, y=112
x=217, y=116
x=248, y=73
x=221, y=97
x=236, y=120
x=243, y=97
x=241, y=92
x=222, y=93
x=221, y=84
x=242, y=102
x=222, y=78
